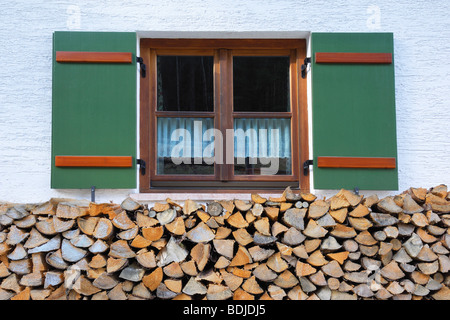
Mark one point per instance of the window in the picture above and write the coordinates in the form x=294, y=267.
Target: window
x=229, y=110
x=223, y=114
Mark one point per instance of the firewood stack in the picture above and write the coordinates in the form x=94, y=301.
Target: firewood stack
x=292, y=247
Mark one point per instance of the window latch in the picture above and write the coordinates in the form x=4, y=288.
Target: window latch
x=142, y=166
x=305, y=66
x=306, y=165
x=140, y=60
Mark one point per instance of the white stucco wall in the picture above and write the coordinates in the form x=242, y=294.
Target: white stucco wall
x=422, y=50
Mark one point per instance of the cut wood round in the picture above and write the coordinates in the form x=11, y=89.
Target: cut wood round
x=200, y=253
x=27, y=222
x=214, y=208
x=20, y=267
x=343, y=232
x=122, y=221
x=190, y=206
x=294, y=218
x=103, y=229
x=99, y=246
x=129, y=234
x=140, y=242
x=194, y=287
x=242, y=236
x=172, y=252
x=146, y=258
x=70, y=253
x=241, y=257
x=177, y=226
x=224, y=247
x=130, y=205
x=263, y=273
x=120, y=249
x=105, y=282
x=237, y=220
x=18, y=253
x=218, y=292
x=72, y=209
x=53, y=244
x=87, y=225
x=201, y=233
x=16, y=235
x=318, y=208
x=166, y=216
x=286, y=280
x=46, y=227
x=153, y=233
x=56, y=260
x=82, y=241
x=133, y=273
x=276, y=263
x=252, y=286
x=313, y=230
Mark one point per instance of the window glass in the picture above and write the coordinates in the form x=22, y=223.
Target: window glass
x=185, y=146
x=261, y=84
x=185, y=83
x=262, y=146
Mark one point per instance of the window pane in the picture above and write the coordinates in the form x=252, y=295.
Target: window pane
x=185, y=146
x=262, y=146
x=261, y=84
x=185, y=83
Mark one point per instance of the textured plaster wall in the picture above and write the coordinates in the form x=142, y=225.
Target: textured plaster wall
x=422, y=47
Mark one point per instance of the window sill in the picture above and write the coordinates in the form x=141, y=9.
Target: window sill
x=202, y=197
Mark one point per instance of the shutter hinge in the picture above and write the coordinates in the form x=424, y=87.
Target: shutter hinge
x=142, y=166
x=305, y=66
x=306, y=165
x=140, y=60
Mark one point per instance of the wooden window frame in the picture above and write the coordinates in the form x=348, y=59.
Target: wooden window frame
x=223, y=51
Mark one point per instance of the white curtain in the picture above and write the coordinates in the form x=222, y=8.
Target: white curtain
x=254, y=137
x=262, y=137
x=184, y=133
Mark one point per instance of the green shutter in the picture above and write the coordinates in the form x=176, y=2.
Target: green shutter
x=94, y=110
x=353, y=111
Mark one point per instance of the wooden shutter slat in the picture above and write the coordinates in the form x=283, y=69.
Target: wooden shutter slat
x=94, y=161
x=356, y=162
x=353, y=57
x=93, y=57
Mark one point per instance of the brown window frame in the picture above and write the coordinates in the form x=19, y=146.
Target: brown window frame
x=223, y=51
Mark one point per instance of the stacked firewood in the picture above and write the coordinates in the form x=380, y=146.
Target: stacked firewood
x=296, y=246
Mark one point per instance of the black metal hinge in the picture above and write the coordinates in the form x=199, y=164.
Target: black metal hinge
x=306, y=165
x=142, y=66
x=142, y=166
x=305, y=66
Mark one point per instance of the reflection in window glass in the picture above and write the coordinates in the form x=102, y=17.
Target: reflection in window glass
x=261, y=84
x=185, y=83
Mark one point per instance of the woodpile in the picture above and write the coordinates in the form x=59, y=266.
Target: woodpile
x=295, y=247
